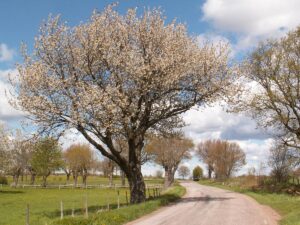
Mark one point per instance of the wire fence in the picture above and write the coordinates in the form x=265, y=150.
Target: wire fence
x=83, y=207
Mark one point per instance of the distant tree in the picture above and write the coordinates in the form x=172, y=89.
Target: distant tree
x=15, y=153
x=20, y=155
x=46, y=158
x=169, y=153
x=79, y=159
x=158, y=174
x=4, y=148
x=205, y=152
x=282, y=162
x=223, y=157
x=119, y=75
x=108, y=168
x=183, y=171
x=197, y=173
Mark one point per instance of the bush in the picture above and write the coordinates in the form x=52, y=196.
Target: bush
x=3, y=180
x=197, y=173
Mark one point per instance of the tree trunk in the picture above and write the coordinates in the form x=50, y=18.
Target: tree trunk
x=84, y=176
x=110, y=177
x=136, y=185
x=32, y=178
x=68, y=176
x=169, y=176
x=44, y=178
x=210, y=170
x=15, y=179
x=75, y=176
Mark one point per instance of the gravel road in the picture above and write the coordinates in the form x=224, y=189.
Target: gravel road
x=204, y=205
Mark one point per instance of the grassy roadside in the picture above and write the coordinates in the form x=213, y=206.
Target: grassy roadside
x=287, y=206
x=126, y=214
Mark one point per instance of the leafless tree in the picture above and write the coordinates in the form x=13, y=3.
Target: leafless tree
x=183, y=171
x=169, y=153
x=79, y=159
x=224, y=157
x=282, y=162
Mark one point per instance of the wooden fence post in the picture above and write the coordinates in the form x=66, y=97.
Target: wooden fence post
x=86, y=207
x=73, y=210
x=118, y=199
x=107, y=204
x=126, y=198
x=61, y=210
x=27, y=214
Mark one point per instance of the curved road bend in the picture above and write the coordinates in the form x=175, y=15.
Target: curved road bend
x=204, y=205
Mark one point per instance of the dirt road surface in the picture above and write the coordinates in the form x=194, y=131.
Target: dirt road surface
x=203, y=205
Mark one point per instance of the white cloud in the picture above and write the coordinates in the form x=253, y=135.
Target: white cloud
x=216, y=39
x=6, y=54
x=252, y=20
x=7, y=112
x=215, y=122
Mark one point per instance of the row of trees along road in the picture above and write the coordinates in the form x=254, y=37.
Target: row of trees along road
x=118, y=77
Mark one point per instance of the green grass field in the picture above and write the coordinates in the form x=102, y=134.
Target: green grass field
x=126, y=214
x=45, y=203
x=286, y=205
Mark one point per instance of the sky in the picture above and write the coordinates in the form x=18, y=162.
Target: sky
x=241, y=23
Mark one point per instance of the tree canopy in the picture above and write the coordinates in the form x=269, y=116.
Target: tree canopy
x=118, y=76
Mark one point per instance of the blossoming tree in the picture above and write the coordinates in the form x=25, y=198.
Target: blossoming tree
x=118, y=76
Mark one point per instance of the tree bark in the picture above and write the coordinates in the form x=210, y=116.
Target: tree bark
x=136, y=185
x=169, y=176
x=44, y=179
x=75, y=177
x=210, y=170
x=84, y=176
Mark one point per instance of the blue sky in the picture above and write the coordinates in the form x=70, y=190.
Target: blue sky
x=242, y=23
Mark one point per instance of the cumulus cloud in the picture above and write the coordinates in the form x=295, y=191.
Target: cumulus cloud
x=6, y=54
x=7, y=112
x=252, y=20
x=215, y=122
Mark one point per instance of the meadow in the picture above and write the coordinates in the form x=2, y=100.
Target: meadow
x=45, y=203
x=287, y=206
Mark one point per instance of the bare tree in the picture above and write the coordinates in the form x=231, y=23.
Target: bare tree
x=183, y=171
x=282, y=162
x=169, y=153
x=205, y=151
x=79, y=159
x=118, y=76
x=224, y=157
x=272, y=98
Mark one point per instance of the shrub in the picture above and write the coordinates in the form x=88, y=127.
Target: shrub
x=3, y=180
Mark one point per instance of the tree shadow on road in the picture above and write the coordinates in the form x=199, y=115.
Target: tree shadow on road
x=204, y=199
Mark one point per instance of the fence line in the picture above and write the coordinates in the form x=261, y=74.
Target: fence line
x=89, y=186
x=85, y=211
